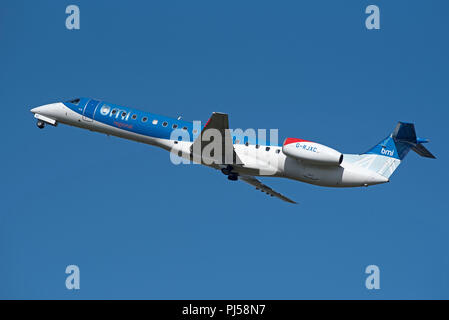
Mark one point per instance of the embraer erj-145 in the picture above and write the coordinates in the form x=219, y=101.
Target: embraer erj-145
x=237, y=154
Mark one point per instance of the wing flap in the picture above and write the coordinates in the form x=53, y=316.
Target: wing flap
x=264, y=188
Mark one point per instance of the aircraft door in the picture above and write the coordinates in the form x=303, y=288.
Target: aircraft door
x=89, y=110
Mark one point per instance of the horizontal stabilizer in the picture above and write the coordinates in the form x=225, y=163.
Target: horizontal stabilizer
x=422, y=151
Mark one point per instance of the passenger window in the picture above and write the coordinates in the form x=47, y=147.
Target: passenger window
x=114, y=111
x=257, y=146
x=184, y=128
x=164, y=124
x=267, y=148
x=246, y=143
x=278, y=150
x=134, y=116
x=155, y=122
x=123, y=114
x=174, y=126
x=144, y=119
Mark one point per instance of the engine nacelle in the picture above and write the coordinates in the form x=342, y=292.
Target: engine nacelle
x=311, y=152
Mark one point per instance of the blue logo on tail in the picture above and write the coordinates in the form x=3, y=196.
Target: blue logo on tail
x=386, y=148
x=399, y=143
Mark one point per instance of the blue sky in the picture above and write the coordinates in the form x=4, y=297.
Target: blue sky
x=140, y=227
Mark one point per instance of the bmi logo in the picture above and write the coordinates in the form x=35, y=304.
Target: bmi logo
x=387, y=152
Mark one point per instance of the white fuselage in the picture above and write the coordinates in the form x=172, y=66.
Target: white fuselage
x=256, y=160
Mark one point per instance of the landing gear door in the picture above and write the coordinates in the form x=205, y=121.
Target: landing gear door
x=89, y=110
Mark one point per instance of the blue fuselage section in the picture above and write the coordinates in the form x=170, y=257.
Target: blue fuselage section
x=132, y=120
x=150, y=124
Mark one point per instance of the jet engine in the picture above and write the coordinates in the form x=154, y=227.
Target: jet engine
x=311, y=152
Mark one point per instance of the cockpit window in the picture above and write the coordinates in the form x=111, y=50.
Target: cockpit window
x=74, y=101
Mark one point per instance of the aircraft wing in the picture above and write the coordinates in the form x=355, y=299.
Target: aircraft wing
x=264, y=188
x=219, y=122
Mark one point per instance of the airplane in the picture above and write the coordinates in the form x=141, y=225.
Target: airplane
x=242, y=157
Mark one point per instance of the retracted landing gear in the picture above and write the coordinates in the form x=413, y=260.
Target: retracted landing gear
x=233, y=176
x=40, y=124
x=227, y=171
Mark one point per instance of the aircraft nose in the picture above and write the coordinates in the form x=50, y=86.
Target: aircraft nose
x=35, y=110
x=46, y=110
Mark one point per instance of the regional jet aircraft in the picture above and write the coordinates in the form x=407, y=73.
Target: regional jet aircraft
x=237, y=154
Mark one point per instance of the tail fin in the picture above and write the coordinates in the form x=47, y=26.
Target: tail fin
x=385, y=157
